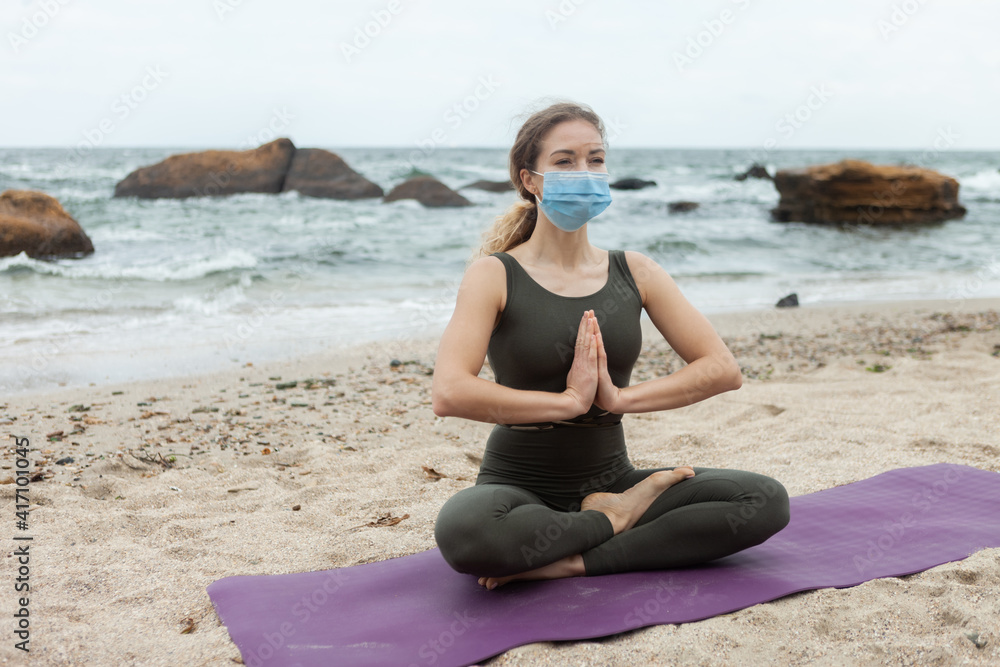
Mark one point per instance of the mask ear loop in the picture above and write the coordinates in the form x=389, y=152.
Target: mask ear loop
x=542, y=175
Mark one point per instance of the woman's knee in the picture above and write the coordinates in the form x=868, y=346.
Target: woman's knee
x=455, y=530
x=768, y=502
x=465, y=532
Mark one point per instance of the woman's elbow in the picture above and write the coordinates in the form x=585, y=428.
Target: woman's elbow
x=440, y=403
x=727, y=374
x=445, y=397
x=734, y=377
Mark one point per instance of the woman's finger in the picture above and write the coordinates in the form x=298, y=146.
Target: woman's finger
x=582, y=330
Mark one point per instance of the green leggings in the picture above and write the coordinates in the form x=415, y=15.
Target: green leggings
x=499, y=529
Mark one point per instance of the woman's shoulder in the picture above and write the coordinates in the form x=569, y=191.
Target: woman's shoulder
x=639, y=263
x=486, y=265
x=486, y=275
x=644, y=270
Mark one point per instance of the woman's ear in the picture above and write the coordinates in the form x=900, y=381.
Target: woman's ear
x=528, y=181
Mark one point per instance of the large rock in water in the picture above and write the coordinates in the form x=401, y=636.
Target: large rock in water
x=854, y=191
x=491, y=186
x=37, y=224
x=209, y=173
x=632, y=184
x=319, y=173
x=756, y=170
x=682, y=206
x=428, y=191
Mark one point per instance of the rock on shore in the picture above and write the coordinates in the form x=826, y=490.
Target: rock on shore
x=35, y=223
x=491, y=186
x=682, y=206
x=428, y=191
x=632, y=184
x=756, y=170
x=271, y=168
x=854, y=191
x=319, y=173
x=210, y=173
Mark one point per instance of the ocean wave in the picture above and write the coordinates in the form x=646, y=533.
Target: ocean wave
x=673, y=246
x=176, y=269
x=110, y=234
x=211, y=305
x=982, y=182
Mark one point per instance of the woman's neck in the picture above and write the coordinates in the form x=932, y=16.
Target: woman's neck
x=552, y=247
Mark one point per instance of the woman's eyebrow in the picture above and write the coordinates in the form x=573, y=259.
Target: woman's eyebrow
x=572, y=152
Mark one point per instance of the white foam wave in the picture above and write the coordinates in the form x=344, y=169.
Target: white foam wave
x=983, y=182
x=211, y=305
x=103, y=234
x=176, y=269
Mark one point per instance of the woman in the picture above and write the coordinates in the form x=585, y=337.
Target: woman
x=556, y=495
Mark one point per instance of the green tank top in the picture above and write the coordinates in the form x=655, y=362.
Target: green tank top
x=532, y=345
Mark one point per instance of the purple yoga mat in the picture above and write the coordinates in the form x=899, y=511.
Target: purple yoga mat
x=415, y=610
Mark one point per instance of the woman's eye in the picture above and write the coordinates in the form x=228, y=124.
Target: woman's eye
x=564, y=161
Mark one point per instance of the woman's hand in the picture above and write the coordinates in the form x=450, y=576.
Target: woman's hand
x=582, y=380
x=608, y=395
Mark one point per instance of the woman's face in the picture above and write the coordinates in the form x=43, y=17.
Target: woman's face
x=573, y=145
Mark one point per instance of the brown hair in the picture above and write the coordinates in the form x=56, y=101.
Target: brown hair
x=515, y=225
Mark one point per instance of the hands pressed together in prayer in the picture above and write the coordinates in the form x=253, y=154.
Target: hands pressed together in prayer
x=588, y=381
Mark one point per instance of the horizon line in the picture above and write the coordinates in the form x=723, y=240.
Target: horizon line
x=786, y=149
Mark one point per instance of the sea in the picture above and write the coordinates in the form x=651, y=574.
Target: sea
x=203, y=284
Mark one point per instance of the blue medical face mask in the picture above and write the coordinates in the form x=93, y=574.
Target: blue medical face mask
x=571, y=198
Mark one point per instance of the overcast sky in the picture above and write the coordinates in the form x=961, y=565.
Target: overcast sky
x=720, y=73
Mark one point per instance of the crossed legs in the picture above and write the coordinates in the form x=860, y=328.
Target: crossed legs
x=645, y=520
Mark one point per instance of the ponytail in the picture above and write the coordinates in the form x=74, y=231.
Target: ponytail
x=510, y=229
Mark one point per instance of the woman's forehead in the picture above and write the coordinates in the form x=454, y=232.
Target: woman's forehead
x=580, y=139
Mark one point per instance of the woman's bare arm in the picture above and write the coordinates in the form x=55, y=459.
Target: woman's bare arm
x=711, y=368
x=457, y=389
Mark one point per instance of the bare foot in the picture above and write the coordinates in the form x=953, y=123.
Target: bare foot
x=571, y=566
x=624, y=509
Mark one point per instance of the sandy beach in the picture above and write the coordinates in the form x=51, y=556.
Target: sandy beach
x=145, y=493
